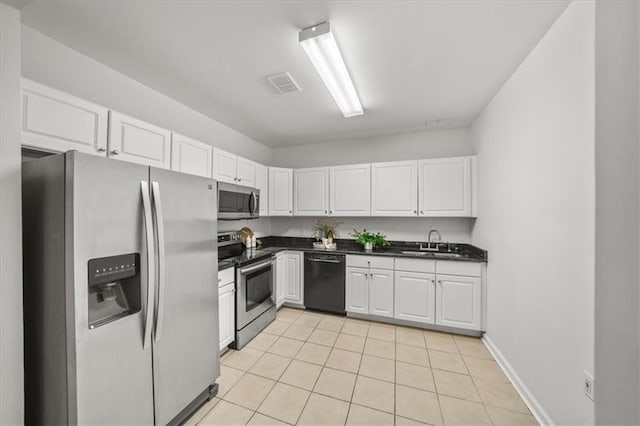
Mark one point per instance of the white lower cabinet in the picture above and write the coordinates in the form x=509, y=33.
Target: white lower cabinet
x=459, y=302
x=357, y=288
x=226, y=307
x=415, y=297
x=281, y=278
x=294, y=287
x=369, y=285
x=381, y=293
x=289, y=276
x=440, y=293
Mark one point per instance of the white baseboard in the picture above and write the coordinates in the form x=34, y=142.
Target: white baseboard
x=536, y=409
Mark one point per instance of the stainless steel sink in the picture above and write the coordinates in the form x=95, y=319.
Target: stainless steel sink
x=432, y=254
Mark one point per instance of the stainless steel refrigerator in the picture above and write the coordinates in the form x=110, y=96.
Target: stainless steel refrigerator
x=120, y=292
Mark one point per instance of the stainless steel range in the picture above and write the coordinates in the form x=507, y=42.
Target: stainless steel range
x=255, y=281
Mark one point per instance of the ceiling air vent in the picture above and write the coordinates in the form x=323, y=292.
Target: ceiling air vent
x=284, y=83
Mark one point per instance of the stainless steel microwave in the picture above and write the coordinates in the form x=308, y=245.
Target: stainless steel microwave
x=237, y=202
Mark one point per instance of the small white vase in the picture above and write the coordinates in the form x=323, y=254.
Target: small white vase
x=368, y=246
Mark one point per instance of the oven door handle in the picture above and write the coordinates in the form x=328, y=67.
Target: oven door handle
x=245, y=271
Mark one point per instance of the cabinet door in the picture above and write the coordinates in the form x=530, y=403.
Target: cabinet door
x=262, y=183
x=415, y=297
x=190, y=156
x=357, y=288
x=58, y=122
x=224, y=166
x=134, y=140
x=459, y=302
x=394, y=188
x=246, y=172
x=445, y=187
x=281, y=278
x=280, y=192
x=311, y=192
x=293, y=290
x=381, y=292
x=350, y=190
x=226, y=308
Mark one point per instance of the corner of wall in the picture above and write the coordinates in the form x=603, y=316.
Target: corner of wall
x=11, y=334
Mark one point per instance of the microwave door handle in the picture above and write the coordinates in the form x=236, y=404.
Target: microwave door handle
x=148, y=228
x=159, y=224
x=254, y=203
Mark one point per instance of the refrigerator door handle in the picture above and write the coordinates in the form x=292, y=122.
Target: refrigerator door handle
x=159, y=224
x=148, y=226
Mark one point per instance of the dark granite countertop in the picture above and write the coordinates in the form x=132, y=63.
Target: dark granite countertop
x=446, y=251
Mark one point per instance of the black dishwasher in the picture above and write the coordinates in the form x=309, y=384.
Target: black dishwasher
x=324, y=276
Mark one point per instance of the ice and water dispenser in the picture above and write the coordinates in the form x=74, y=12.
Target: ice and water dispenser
x=114, y=288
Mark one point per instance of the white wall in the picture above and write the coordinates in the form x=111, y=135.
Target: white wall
x=399, y=229
x=617, y=358
x=261, y=227
x=51, y=63
x=11, y=364
x=428, y=144
x=535, y=147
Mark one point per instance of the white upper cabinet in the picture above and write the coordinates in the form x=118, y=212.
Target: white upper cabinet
x=245, y=172
x=311, y=192
x=58, y=122
x=262, y=183
x=224, y=166
x=190, y=156
x=134, y=140
x=280, y=191
x=231, y=168
x=394, y=188
x=445, y=187
x=350, y=190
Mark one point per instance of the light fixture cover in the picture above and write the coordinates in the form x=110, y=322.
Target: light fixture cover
x=322, y=49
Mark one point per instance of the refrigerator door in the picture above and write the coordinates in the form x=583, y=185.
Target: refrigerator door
x=185, y=343
x=113, y=381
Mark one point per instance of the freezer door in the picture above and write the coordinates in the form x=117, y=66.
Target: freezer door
x=113, y=379
x=185, y=343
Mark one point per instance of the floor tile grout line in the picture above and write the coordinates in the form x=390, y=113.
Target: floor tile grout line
x=356, y=384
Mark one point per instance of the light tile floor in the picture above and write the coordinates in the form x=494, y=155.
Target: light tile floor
x=315, y=369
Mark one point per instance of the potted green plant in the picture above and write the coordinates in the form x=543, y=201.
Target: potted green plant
x=370, y=240
x=326, y=230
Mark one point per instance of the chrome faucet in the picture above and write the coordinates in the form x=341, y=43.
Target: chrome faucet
x=429, y=246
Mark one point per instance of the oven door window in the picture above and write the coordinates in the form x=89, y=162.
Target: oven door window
x=259, y=287
x=233, y=202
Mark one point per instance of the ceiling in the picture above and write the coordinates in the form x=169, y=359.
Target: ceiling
x=411, y=61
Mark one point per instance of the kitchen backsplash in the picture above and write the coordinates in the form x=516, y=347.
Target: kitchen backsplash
x=402, y=229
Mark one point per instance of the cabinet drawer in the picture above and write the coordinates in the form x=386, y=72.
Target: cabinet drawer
x=469, y=269
x=378, y=262
x=415, y=265
x=226, y=276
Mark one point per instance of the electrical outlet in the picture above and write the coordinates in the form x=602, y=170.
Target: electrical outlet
x=588, y=385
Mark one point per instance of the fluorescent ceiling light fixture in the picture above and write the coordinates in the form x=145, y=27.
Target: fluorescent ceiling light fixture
x=321, y=47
